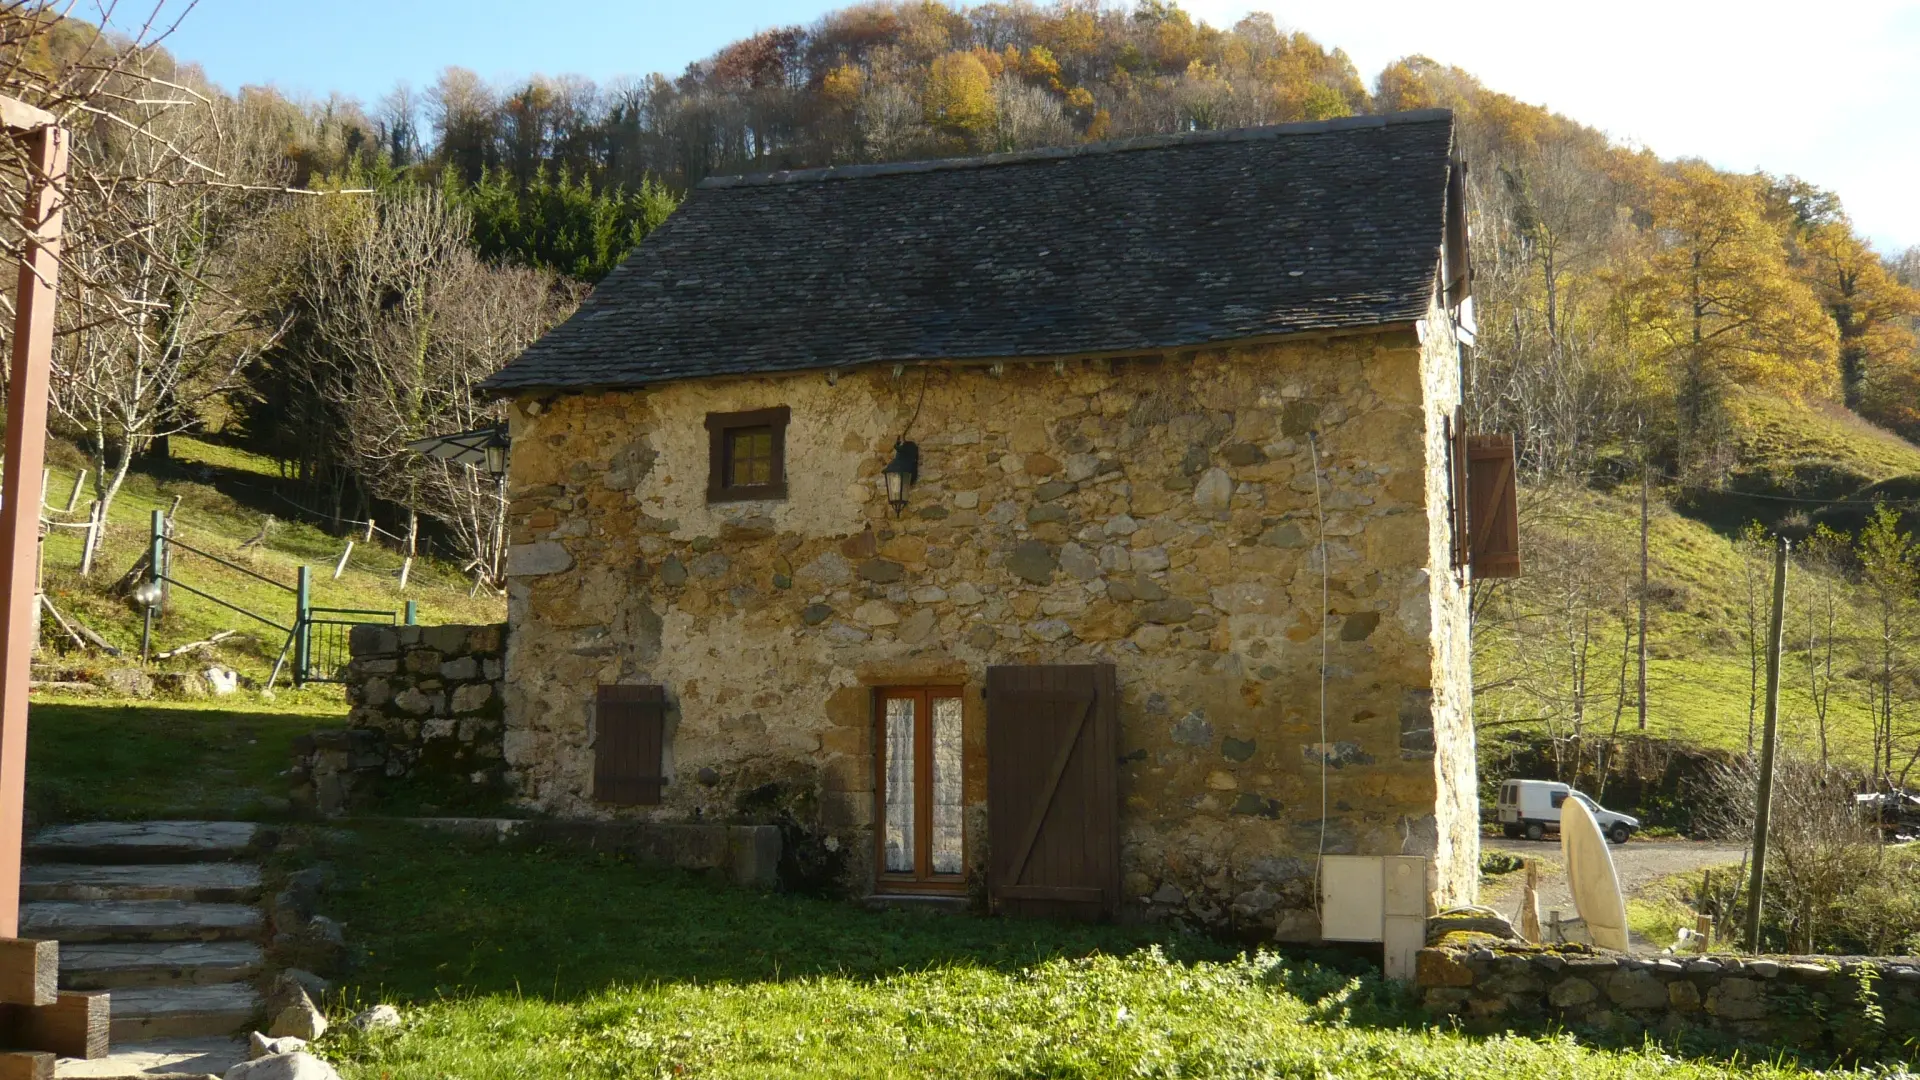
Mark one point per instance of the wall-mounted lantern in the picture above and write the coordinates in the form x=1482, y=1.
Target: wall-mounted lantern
x=901, y=474
x=496, y=451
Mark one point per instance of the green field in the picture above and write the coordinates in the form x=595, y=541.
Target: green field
x=1699, y=673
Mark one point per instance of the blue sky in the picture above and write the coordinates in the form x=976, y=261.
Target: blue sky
x=1830, y=91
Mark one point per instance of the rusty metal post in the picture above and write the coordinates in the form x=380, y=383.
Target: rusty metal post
x=26, y=445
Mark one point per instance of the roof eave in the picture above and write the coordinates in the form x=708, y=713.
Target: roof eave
x=496, y=391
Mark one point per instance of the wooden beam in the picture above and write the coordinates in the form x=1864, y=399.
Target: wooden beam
x=19, y=117
x=26, y=446
x=26, y=1065
x=29, y=972
x=74, y=1026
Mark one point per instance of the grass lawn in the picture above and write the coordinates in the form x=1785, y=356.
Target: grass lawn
x=523, y=964
x=88, y=761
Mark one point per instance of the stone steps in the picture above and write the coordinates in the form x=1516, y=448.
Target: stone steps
x=202, y=882
x=151, y=964
x=146, y=1013
x=164, y=916
x=180, y=1057
x=146, y=842
x=79, y=921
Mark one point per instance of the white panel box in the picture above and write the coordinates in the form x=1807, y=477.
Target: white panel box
x=1352, y=894
x=1406, y=882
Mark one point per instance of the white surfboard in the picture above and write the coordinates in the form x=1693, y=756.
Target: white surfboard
x=1590, y=874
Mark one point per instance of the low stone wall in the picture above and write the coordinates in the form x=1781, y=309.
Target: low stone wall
x=426, y=709
x=1838, y=1007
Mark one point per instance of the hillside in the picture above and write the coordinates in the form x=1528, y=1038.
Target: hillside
x=1554, y=651
x=224, y=502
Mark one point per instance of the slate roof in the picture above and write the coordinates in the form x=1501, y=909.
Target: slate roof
x=1142, y=244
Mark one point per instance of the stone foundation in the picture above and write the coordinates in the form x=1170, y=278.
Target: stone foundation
x=1836, y=1007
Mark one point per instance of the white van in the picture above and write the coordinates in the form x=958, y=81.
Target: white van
x=1531, y=808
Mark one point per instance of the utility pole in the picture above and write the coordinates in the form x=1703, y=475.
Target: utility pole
x=1763, y=799
x=1645, y=468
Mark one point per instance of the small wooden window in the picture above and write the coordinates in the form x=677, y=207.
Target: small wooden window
x=747, y=455
x=920, y=790
x=629, y=744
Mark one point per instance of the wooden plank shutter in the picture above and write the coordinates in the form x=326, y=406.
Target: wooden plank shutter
x=627, y=749
x=1053, y=797
x=1457, y=492
x=1494, y=507
x=1457, y=259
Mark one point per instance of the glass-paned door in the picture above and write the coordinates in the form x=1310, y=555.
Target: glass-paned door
x=921, y=792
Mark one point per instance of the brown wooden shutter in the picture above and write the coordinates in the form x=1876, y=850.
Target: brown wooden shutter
x=627, y=749
x=1493, y=507
x=1458, y=260
x=1457, y=479
x=1053, y=799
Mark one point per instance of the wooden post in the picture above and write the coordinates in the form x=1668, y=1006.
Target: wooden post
x=26, y=451
x=73, y=497
x=1530, y=905
x=369, y=529
x=1763, y=799
x=341, y=566
x=92, y=537
x=75, y=1025
x=413, y=538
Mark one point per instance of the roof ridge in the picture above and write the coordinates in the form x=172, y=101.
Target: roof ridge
x=1058, y=153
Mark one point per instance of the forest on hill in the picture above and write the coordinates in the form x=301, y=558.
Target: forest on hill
x=321, y=281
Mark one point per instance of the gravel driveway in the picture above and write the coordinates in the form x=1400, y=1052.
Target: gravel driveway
x=1638, y=863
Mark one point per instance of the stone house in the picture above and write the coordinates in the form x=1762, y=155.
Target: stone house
x=1167, y=421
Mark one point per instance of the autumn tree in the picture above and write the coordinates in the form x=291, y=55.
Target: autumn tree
x=1872, y=312
x=1712, y=303
x=958, y=99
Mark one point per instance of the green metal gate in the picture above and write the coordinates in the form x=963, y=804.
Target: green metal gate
x=318, y=639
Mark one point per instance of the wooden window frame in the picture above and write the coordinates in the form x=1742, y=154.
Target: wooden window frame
x=719, y=426
x=922, y=879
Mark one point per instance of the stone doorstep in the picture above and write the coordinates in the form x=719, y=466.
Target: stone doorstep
x=205, y=882
x=139, y=920
x=135, y=842
x=162, y=1057
x=173, y=963
x=957, y=905
x=182, y=1011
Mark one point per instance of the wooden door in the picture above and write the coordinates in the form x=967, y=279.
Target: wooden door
x=1053, y=801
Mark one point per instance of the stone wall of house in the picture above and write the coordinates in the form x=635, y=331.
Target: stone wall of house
x=1156, y=513
x=1831, y=1006
x=426, y=708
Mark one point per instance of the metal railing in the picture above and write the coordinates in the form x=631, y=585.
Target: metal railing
x=319, y=638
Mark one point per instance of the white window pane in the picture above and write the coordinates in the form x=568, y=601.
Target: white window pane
x=899, y=813
x=947, y=794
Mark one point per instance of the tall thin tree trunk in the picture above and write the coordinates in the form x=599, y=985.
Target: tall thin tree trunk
x=1645, y=469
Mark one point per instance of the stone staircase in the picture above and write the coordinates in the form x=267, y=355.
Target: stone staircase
x=163, y=914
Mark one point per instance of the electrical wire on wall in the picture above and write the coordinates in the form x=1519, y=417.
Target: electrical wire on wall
x=1320, y=519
